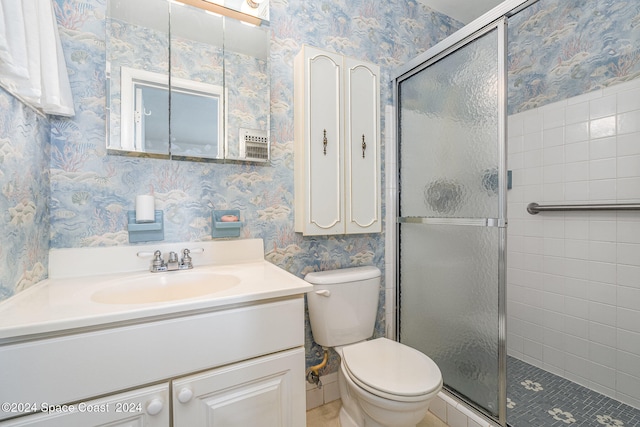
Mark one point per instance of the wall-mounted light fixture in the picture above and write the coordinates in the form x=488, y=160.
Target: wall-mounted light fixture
x=217, y=8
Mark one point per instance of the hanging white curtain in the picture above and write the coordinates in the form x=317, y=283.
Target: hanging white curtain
x=32, y=64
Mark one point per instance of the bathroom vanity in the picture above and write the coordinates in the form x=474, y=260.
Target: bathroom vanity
x=156, y=349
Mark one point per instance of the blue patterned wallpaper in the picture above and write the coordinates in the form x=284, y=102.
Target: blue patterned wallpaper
x=24, y=196
x=91, y=191
x=559, y=49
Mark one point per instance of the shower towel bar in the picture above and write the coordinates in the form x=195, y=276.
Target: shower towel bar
x=534, y=208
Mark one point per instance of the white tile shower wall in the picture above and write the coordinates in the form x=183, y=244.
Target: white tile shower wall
x=455, y=413
x=574, y=277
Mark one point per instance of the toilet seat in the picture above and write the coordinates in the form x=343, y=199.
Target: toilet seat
x=391, y=370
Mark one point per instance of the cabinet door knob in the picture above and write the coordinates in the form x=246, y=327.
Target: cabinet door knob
x=185, y=395
x=154, y=407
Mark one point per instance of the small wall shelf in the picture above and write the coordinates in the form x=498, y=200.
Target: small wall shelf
x=147, y=231
x=220, y=229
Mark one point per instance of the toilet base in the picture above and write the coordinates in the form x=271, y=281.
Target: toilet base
x=346, y=420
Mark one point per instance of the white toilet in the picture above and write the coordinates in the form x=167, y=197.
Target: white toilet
x=382, y=383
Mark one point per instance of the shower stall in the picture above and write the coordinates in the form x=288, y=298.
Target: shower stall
x=452, y=214
x=456, y=138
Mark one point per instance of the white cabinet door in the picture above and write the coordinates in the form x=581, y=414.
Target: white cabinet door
x=362, y=157
x=268, y=391
x=319, y=93
x=145, y=407
x=337, y=189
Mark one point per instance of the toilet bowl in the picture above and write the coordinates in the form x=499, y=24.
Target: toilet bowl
x=391, y=383
x=382, y=383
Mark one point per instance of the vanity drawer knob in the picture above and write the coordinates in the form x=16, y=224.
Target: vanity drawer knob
x=185, y=395
x=154, y=407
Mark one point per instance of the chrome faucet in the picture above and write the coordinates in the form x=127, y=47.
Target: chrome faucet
x=173, y=263
x=158, y=263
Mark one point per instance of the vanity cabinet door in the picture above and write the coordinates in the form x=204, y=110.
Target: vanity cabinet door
x=145, y=407
x=268, y=391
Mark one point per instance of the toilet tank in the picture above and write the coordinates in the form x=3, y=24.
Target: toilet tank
x=343, y=304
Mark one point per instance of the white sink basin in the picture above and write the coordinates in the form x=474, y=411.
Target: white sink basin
x=158, y=287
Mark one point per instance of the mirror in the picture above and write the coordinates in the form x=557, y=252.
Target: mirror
x=197, y=83
x=246, y=59
x=135, y=40
x=185, y=83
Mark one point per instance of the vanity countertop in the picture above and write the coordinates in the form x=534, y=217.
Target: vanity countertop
x=64, y=304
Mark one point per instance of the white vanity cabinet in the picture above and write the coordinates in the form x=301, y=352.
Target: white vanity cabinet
x=259, y=392
x=337, y=144
x=231, y=367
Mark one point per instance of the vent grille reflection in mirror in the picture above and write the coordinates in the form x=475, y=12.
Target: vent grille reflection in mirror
x=254, y=145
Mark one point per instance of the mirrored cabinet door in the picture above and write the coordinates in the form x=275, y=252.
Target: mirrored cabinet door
x=197, y=83
x=246, y=60
x=137, y=49
x=186, y=83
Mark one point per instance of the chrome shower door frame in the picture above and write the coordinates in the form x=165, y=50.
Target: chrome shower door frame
x=467, y=35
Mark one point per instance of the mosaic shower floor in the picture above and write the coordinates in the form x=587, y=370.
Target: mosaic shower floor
x=537, y=398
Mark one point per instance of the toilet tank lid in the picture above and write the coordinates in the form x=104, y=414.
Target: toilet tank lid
x=343, y=275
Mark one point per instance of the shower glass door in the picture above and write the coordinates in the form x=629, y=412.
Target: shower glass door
x=451, y=215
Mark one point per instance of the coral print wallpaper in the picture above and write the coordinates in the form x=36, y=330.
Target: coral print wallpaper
x=61, y=189
x=560, y=49
x=24, y=197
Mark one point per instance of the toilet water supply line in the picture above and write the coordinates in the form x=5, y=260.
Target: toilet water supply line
x=312, y=373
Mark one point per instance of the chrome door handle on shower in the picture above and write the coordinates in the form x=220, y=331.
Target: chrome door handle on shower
x=476, y=222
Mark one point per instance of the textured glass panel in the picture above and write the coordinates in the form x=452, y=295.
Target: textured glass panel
x=448, y=122
x=449, y=304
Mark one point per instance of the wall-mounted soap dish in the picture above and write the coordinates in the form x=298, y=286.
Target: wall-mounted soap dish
x=146, y=231
x=225, y=227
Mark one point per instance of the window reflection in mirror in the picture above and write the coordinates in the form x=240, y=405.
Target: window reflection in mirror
x=197, y=63
x=196, y=115
x=196, y=124
x=149, y=119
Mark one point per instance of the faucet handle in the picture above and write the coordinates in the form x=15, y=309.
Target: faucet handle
x=186, y=261
x=158, y=262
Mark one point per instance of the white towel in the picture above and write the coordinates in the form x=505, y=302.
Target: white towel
x=13, y=44
x=32, y=63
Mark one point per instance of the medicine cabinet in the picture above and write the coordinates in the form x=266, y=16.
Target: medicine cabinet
x=185, y=83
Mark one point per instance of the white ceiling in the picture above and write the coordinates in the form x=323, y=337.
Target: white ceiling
x=464, y=11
